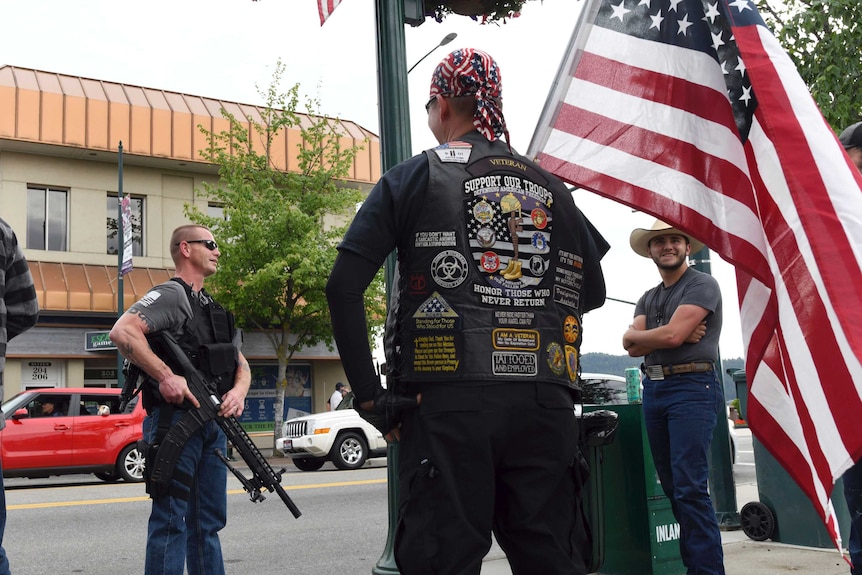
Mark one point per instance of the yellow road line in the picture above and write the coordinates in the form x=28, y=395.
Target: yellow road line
x=146, y=498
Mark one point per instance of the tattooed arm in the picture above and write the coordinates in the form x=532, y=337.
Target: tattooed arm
x=129, y=334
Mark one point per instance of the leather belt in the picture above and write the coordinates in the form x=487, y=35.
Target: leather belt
x=659, y=371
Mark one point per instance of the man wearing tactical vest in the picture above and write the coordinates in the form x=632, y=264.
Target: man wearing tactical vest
x=496, y=267
x=187, y=514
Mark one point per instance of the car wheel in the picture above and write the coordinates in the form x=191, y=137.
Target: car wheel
x=130, y=464
x=108, y=476
x=308, y=463
x=349, y=451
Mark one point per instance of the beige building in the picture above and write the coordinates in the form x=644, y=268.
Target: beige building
x=59, y=182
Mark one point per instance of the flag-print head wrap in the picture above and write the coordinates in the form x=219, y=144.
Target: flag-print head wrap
x=469, y=72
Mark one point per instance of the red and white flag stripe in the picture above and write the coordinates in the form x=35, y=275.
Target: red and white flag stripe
x=325, y=8
x=709, y=127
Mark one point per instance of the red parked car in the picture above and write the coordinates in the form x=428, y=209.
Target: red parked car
x=59, y=431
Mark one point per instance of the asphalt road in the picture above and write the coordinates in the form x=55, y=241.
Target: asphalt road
x=78, y=524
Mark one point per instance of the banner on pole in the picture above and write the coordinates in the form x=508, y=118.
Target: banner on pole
x=126, y=209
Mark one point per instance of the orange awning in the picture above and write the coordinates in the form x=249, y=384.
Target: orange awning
x=83, y=287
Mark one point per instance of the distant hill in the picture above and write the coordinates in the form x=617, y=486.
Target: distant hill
x=617, y=364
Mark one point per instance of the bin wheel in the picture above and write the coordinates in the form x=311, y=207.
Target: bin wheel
x=758, y=521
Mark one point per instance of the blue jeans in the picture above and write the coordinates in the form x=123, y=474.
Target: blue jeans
x=4, y=561
x=853, y=494
x=184, y=529
x=680, y=413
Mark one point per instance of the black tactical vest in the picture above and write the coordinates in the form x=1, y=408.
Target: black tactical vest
x=207, y=341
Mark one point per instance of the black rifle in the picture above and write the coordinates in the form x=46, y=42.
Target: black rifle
x=132, y=383
x=263, y=475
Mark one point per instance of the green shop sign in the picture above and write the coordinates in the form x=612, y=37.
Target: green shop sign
x=98, y=341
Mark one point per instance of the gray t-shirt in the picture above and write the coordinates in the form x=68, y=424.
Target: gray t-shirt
x=166, y=308
x=660, y=303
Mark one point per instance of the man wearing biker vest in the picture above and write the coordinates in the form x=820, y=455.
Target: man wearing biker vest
x=496, y=267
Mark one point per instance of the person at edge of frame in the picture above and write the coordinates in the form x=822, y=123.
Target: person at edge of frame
x=851, y=139
x=19, y=311
x=187, y=515
x=496, y=267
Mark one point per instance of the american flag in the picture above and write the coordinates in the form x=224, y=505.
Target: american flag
x=325, y=8
x=691, y=111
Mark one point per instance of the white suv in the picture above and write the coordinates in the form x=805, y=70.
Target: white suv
x=340, y=436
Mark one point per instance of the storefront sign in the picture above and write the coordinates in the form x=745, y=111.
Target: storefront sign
x=98, y=341
x=42, y=374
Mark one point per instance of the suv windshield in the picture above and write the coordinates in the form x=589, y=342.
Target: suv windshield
x=346, y=402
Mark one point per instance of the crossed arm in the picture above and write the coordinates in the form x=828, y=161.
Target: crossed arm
x=688, y=325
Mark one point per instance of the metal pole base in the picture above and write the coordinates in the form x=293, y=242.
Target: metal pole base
x=386, y=564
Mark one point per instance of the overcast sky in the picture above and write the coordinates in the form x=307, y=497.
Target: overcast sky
x=226, y=49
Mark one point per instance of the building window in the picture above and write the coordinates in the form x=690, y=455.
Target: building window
x=47, y=218
x=215, y=211
x=137, y=205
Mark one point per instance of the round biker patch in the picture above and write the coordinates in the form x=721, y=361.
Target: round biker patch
x=539, y=218
x=490, y=262
x=449, y=269
x=483, y=212
x=486, y=237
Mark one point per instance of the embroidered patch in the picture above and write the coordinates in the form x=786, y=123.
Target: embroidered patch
x=572, y=362
x=457, y=152
x=556, y=358
x=514, y=363
x=449, y=269
x=571, y=329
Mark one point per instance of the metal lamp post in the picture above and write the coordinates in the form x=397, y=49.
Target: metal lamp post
x=395, y=147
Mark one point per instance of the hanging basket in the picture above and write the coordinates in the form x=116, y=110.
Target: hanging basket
x=484, y=10
x=470, y=7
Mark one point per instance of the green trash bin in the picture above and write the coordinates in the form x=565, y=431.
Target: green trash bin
x=641, y=534
x=784, y=513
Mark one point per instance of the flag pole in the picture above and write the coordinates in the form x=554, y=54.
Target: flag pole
x=571, y=57
x=120, y=252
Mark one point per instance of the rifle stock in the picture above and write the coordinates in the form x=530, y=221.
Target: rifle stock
x=263, y=475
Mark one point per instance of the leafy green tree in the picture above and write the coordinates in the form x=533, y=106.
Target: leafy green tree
x=823, y=38
x=279, y=230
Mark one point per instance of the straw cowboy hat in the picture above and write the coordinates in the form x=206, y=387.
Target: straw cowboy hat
x=640, y=238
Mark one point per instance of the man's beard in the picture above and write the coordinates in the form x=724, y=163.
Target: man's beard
x=670, y=266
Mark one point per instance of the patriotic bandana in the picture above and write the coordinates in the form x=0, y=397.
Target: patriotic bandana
x=467, y=72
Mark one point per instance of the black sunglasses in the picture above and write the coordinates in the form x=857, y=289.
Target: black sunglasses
x=208, y=244
x=428, y=105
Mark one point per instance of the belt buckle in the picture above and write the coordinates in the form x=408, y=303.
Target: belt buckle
x=655, y=372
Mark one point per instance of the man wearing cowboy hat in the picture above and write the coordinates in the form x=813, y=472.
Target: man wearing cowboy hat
x=497, y=267
x=676, y=329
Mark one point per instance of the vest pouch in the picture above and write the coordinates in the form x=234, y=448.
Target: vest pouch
x=218, y=360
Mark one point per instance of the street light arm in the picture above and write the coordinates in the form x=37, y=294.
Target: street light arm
x=446, y=39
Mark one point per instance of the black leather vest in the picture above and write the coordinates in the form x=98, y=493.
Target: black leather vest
x=489, y=285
